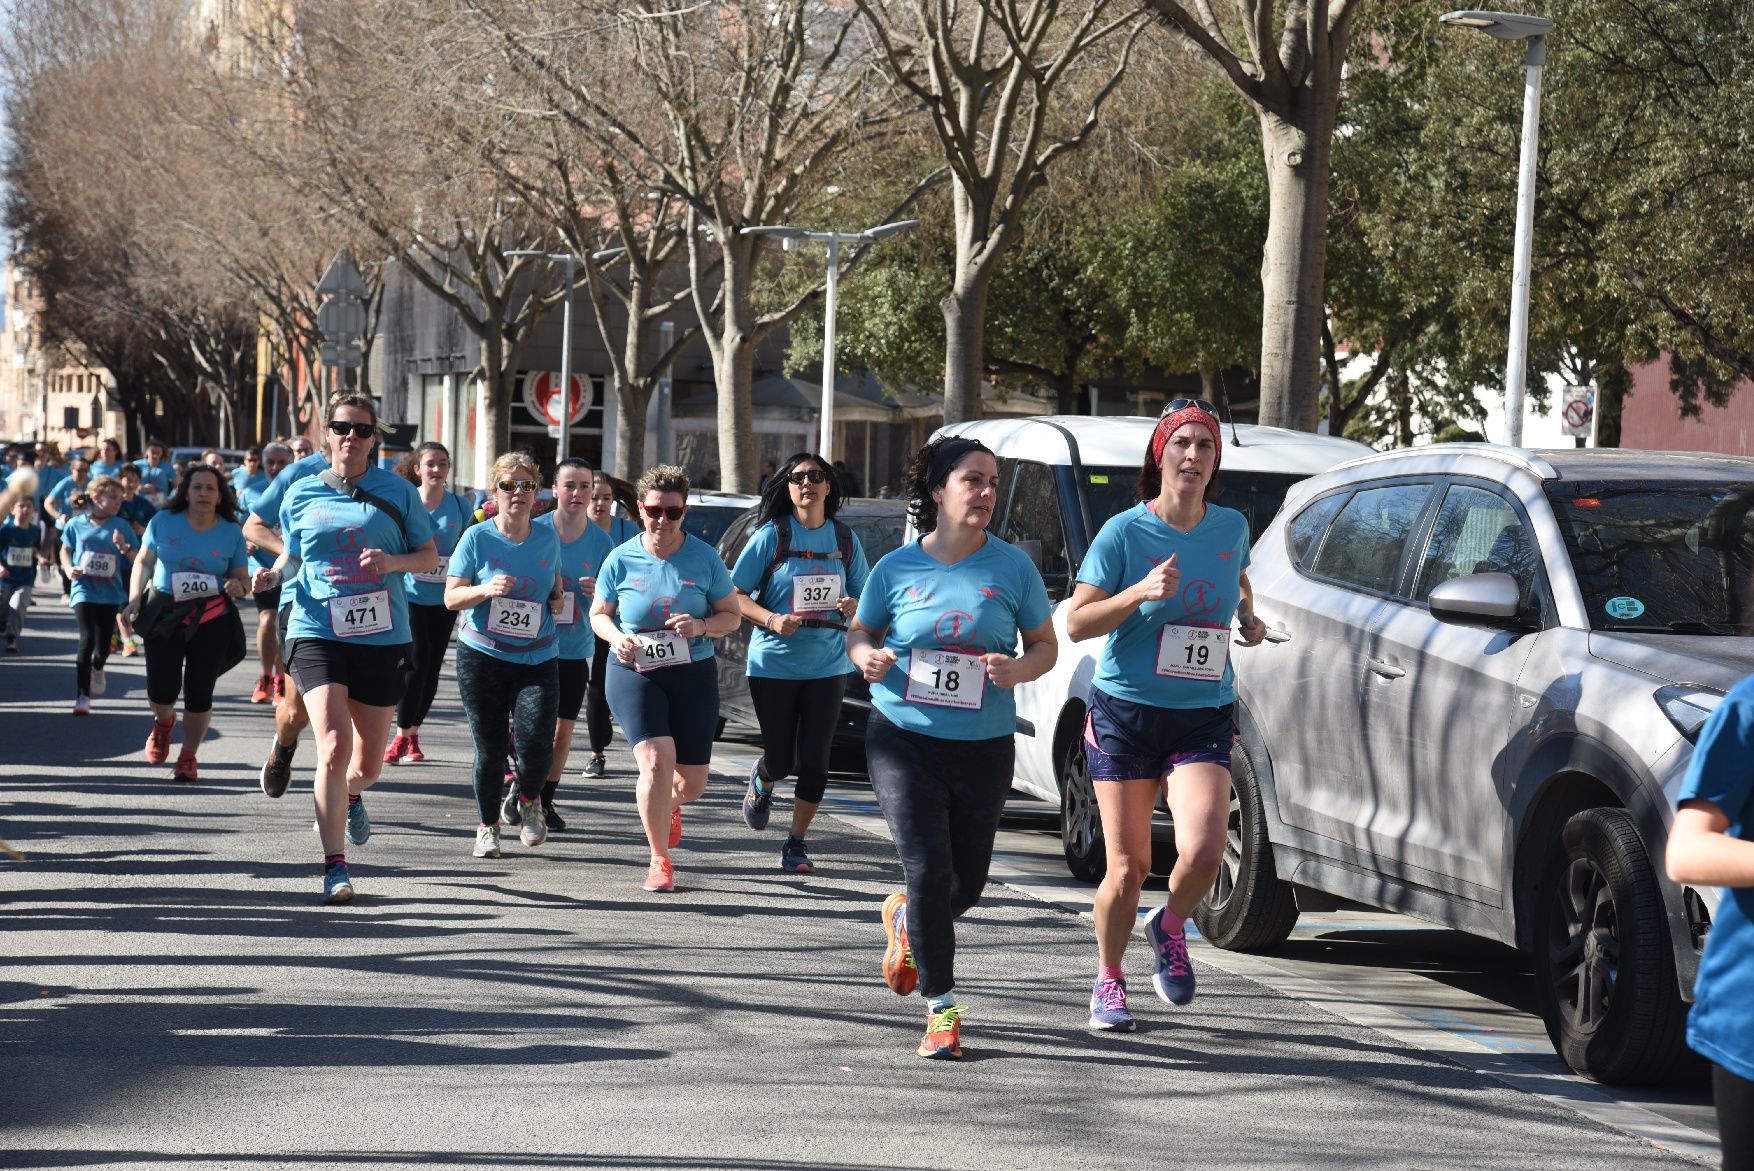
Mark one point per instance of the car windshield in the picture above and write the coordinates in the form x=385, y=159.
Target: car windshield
x=1661, y=557
x=1257, y=495
x=709, y=521
x=877, y=534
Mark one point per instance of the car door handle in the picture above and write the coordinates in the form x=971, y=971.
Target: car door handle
x=1386, y=670
x=1276, y=635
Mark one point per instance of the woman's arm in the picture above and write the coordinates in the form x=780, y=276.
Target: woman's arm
x=138, y=580
x=1702, y=852
x=1040, y=651
x=866, y=650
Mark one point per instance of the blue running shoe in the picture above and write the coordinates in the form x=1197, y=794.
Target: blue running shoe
x=336, y=886
x=757, y=801
x=359, y=826
x=1174, y=978
x=1108, y=1007
x=794, y=858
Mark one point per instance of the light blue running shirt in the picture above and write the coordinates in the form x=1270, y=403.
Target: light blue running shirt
x=518, y=628
x=582, y=558
x=646, y=589
x=21, y=567
x=449, y=520
x=267, y=505
x=980, y=605
x=327, y=532
x=1174, y=653
x=260, y=558
x=160, y=477
x=191, y=564
x=90, y=543
x=810, y=652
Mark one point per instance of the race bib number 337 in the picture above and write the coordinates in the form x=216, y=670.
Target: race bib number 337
x=815, y=591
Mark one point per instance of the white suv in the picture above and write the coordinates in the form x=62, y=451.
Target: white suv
x=1060, y=478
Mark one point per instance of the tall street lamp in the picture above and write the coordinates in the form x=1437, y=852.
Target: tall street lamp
x=569, y=259
x=1511, y=26
x=789, y=235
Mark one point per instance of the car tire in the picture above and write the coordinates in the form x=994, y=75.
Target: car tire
x=1604, y=972
x=1080, y=819
x=1249, y=908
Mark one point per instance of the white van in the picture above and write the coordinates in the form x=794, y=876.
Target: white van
x=1060, y=478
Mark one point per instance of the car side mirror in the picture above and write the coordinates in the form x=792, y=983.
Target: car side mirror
x=1479, y=599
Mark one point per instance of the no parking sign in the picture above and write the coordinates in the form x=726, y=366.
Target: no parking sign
x=1579, y=410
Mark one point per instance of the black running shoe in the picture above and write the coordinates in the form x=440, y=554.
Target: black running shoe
x=276, y=773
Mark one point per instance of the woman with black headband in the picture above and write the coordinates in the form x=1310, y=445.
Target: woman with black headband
x=1163, y=580
x=798, y=580
x=937, y=636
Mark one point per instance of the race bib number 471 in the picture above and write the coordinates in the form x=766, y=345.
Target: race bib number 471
x=360, y=614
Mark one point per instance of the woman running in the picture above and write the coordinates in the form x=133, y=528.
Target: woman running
x=1163, y=580
x=96, y=549
x=505, y=577
x=431, y=621
x=583, y=546
x=661, y=600
x=353, y=529
x=271, y=682
x=798, y=580
x=940, y=742
x=606, y=492
x=194, y=557
x=109, y=459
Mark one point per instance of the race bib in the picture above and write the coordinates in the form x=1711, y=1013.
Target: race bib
x=98, y=565
x=513, y=618
x=569, y=610
x=360, y=614
x=20, y=556
x=1193, y=652
x=660, y=648
x=815, y=591
x=438, y=573
x=186, y=586
x=945, y=679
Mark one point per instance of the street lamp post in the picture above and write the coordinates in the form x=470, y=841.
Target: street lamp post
x=789, y=235
x=1511, y=26
x=569, y=259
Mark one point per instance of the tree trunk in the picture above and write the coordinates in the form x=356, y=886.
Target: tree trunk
x=965, y=343
x=1294, y=262
x=734, y=373
x=1066, y=396
x=1403, y=395
x=497, y=434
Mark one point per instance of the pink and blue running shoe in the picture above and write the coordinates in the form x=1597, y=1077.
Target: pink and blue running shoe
x=1174, y=977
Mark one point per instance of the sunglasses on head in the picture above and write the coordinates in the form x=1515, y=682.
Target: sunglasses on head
x=517, y=485
x=670, y=512
x=358, y=430
x=1177, y=404
x=812, y=476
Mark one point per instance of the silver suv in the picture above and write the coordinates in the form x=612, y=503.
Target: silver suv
x=1484, y=677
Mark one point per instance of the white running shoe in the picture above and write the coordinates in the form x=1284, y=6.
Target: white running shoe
x=82, y=706
x=487, y=841
x=535, y=830
x=98, y=684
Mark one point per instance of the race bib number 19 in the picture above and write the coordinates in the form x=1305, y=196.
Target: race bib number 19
x=945, y=679
x=660, y=648
x=1193, y=652
x=360, y=614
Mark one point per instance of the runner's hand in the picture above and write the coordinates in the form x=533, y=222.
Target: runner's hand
x=784, y=624
x=1163, y=582
x=499, y=586
x=588, y=586
x=847, y=606
x=683, y=624
x=877, y=664
x=264, y=579
x=1252, y=628
x=1002, y=670
x=627, y=648
x=374, y=561
x=556, y=603
x=132, y=610
x=234, y=588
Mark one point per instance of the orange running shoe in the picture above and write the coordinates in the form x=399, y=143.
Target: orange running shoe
x=675, y=826
x=158, y=742
x=943, y=1039
x=279, y=687
x=184, y=769
x=898, y=958
x=264, y=689
x=660, y=875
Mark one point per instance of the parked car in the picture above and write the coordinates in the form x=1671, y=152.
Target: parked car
x=1484, y=678
x=1060, y=478
x=711, y=513
x=880, y=526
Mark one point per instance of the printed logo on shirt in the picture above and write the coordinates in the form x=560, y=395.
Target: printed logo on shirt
x=953, y=627
x=665, y=605
x=989, y=592
x=1200, y=598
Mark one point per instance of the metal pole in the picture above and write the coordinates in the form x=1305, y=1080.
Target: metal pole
x=1516, y=363
x=666, y=446
x=565, y=367
x=825, y=441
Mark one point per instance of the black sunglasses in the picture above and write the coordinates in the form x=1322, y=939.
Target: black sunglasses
x=658, y=510
x=813, y=476
x=359, y=430
x=1178, y=404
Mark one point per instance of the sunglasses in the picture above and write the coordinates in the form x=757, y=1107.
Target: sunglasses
x=358, y=430
x=658, y=510
x=1177, y=404
x=813, y=476
x=517, y=485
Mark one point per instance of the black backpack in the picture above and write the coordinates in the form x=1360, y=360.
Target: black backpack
x=783, y=552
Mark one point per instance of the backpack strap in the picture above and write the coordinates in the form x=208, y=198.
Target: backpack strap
x=783, y=552
x=360, y=495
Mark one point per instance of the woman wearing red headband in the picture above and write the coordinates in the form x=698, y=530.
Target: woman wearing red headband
x=1163, y=581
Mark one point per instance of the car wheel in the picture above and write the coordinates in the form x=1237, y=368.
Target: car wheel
x=1080, y=819
x=1605, y=977
x=1249, y=908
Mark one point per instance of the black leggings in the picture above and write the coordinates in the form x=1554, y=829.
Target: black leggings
x=1735, y=1118
x=598, y=720
x=798, y=718
x=495, y=691
x=97, y=621
x=431, y=628
x=942, y=800
x=188, y=663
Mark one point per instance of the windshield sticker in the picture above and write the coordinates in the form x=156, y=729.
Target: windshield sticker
x=1624, y=608
x=1099, y=479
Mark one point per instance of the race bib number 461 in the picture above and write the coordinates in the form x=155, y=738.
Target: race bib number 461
x=360, y=614
x=660, y=648
x=945, y=679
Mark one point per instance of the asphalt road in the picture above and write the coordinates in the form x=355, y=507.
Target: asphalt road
x=174, y=994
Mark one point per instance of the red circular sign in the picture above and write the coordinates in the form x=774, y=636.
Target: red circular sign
x=542, y=397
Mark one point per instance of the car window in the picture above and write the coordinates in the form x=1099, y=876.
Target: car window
x=1477, y=531
x=1303, y=535
x=878, y=535
x=1364, y=546
x=1033, y=524
x=1257, y=495
x=709, y=521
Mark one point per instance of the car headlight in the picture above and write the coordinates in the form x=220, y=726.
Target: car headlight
x=1688, y=706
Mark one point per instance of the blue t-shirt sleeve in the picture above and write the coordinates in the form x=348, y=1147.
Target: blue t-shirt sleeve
x=416, y=521
x=859, y=572
x=1105, y=564
x=465, y=558
x=754, y=560
x=154, y=533
x=1722, y=769
x=609, y=576
x=240, y=555
x=68, y=538
x=874, y=612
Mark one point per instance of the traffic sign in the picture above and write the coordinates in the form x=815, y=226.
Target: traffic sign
x=1579, y=410
x=542, y=397
x=342, y=279
x=341, y=317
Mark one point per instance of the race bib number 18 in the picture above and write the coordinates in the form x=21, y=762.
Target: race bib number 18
x=360, y=614
x=1193, y=652
x=945, y=679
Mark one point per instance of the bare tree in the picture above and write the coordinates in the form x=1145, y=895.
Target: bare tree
x=1289, y=68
